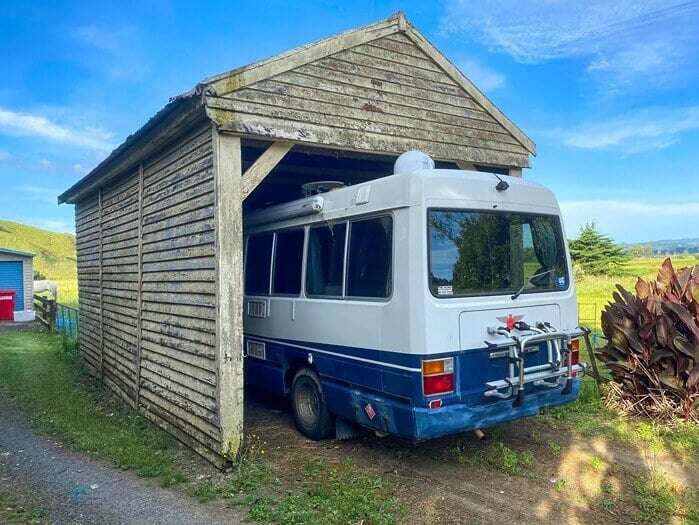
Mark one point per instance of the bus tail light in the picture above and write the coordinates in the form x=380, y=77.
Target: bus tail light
x=575, y=353
x=438, y=376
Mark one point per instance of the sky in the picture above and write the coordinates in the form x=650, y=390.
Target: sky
x=609, y=91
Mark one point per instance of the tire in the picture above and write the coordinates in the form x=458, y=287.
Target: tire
x=308, y=406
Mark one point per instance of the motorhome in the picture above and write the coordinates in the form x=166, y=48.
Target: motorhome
x=420, y=304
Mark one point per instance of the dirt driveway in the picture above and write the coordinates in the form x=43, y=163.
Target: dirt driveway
x=71, y=489
x=526, y=471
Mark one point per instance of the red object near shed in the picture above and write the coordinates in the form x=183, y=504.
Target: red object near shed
x=7, y=305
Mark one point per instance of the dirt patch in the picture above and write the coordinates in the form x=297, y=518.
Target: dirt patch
x=528, y=470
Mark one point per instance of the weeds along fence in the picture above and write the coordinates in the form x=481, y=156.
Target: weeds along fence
x=56, y=317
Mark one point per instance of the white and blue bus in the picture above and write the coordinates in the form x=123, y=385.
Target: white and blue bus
x=420, y=304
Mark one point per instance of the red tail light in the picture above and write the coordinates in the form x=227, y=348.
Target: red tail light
x=575, y=353
x=438, y=376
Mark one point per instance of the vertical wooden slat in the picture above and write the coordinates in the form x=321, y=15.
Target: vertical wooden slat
x=139, y=290
x=229, y=286
x=99, y=215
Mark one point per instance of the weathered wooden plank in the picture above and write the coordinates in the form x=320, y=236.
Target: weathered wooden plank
x=202, y=430
x=177, y=276
x=196, y=312
x=198, y=378
x=175, y=360
x=183, y=333
x=187, y=287
x=196, y=173
x=359, y=141
x=172, y=215
x=183, y=400
x=194, y=323
x=188, y=347
x=178, y=154
x=201, y=263
x=155, y=414
x=207, y=402
x=184, y=196
x=191, y=228
x=376, y=121
x=397, y=60
x=229, y=294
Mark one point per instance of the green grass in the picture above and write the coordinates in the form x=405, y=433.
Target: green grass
x=37, y=372
x=589, y=417
x=15, y=512
x=660, y=500
x=54, y=255
x=46, y=382
x=330, y=495
x=595, y=291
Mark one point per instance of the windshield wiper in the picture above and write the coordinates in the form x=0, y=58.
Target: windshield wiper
x=540, y=274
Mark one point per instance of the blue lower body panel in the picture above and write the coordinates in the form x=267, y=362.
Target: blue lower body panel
x=387, y=396
x=421, y=423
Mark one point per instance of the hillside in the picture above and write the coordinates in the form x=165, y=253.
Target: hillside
x=54, y=254
x=665, y=246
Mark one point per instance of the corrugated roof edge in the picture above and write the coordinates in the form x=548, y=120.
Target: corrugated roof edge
x=7, y=251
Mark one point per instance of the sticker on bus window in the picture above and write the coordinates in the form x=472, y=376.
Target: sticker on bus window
x=445, y=290
x=561, y=282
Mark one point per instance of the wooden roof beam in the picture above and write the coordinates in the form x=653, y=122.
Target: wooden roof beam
x=265, y=163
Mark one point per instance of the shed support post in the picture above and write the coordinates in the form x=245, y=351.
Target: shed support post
x=229, y=288
x=263, y=166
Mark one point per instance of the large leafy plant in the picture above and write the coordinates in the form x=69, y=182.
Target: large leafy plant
x=652, y=348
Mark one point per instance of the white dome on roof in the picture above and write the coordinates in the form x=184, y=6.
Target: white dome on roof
x=411, y=161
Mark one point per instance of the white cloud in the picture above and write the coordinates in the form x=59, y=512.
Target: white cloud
x=39, y=193
x=482, y=76
x=633, y=221
x=25, y=124
x=645, y=130
x=623, y=41
x=4, y=155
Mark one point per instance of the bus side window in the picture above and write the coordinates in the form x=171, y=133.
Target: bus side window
x=325, y=260
x=369, y=260
x=288, y=255
x=258, y=264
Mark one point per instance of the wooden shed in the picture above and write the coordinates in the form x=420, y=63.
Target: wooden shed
x=159, y=222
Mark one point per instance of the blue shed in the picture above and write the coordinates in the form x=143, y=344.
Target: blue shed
x=17, y=273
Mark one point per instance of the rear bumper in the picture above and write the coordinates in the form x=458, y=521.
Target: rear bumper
x=418, y=423
x=451, y=419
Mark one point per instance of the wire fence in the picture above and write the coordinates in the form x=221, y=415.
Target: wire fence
x=67, y=320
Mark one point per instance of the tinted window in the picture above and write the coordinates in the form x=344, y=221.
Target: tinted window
x=288, y=255
x=369, y=260
x=257, y=264
x=326, y=250
x=495, y=252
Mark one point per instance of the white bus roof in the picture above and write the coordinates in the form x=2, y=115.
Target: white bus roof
x=438, y=188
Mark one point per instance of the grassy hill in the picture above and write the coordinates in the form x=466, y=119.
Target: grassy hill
x=54, y=255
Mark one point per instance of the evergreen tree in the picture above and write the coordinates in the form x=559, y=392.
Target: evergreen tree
x=596, y=253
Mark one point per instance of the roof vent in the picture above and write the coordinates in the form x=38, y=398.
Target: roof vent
x=411, y=161
x=321, y=186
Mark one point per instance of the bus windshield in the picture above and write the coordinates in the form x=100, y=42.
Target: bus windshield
x=492, y=253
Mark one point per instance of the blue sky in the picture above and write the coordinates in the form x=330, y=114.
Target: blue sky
x=609, y=91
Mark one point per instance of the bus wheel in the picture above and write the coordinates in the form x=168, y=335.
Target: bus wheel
x=311, y=414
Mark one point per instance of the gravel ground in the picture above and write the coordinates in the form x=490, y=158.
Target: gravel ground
x=72, y=489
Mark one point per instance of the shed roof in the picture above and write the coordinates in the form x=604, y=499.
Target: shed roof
x=196, y=101
x=7, y=251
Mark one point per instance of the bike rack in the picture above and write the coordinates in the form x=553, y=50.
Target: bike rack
x=515, y=344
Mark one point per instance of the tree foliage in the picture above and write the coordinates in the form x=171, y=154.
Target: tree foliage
x=596, y=253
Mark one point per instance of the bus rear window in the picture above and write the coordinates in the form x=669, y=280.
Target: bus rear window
x=489, y=253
